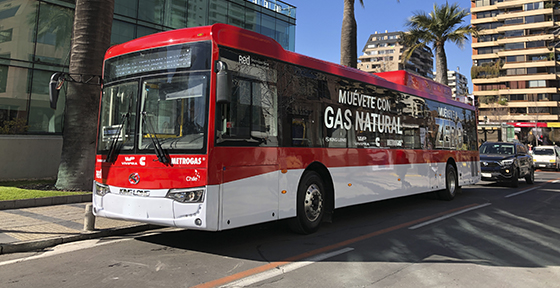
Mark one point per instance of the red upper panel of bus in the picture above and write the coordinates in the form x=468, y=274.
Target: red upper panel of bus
x=235, y=37
x=417, y=82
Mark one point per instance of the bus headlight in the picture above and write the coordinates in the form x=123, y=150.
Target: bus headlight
x=193, y=195
x=101, y=189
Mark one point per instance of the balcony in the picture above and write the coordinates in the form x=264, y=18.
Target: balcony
x=504, y=16
x=530, y=64
x=539, y=37
x=526, y=51
x=544, y=24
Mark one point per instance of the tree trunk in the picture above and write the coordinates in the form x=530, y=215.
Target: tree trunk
x=91, y=38
x=348, y=36
x=441, y=64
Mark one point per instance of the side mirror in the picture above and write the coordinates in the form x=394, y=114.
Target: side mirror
x=223, y=84
x=57, y=79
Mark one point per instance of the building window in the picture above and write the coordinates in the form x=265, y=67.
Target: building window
x=534, y=19
x=535, y=44
x=518, y=97
x=515, y=58
x=512, y=21
x=537, y=83
x=6, y=35
x=518, y=110
x=514, y=46
x=534, y=6
x=514, y=33
x=539, y=110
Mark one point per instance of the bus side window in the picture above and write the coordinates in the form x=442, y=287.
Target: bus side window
x=251, y=117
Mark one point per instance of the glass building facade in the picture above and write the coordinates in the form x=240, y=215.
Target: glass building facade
x=35, y=41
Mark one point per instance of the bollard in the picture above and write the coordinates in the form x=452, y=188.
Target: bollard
x=89, y=218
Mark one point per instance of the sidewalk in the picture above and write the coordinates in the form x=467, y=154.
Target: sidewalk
x=46, y=225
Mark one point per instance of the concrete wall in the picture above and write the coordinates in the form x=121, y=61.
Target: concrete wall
x=29, y=156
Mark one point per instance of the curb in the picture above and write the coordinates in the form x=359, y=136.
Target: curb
x=46, y=201
x=26, y=246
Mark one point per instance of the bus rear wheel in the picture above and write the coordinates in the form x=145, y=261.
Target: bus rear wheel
x=451, y=184
x=310, y=204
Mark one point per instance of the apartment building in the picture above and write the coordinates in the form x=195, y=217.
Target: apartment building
x=383, y=52
x=515, y=63
x=458, y=84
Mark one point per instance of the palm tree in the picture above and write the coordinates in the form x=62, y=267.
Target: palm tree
x=441, y=25
x=348, y=36
x=90, y=38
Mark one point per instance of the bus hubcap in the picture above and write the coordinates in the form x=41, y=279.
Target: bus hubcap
x=313, y=204
x=451, y=183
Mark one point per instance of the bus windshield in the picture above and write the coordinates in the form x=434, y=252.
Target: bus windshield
x=174, y=110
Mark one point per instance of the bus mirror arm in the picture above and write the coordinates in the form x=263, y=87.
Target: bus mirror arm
x=57, y=79
x=223, y=83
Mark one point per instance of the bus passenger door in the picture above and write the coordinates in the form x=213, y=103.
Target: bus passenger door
x=249, y=195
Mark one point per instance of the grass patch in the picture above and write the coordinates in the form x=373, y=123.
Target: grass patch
x=18, y=190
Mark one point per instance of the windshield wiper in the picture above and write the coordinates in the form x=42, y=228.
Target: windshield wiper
x=161, y=154
x=112, y=153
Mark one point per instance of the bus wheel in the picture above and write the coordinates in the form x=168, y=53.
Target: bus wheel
x=451, y=184
x=310, y=204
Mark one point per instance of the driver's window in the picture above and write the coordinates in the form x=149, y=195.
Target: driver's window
x=251, y=117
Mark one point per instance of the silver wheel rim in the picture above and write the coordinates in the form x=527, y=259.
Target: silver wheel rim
x=451, y=183
x=313, y=203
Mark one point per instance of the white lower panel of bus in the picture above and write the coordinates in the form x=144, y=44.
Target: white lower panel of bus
x=260, y=198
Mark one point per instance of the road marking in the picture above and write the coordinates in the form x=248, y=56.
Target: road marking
x=273, y=265
x=448, y=216
x=284, y=269
x=65, y=248
x=521, y=192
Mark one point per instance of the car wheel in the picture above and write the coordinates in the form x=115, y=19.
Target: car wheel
x=515, y=178
x=451, y=184
x=310, y=204
x=530, y=178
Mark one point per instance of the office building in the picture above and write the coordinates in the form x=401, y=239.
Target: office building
x=35, y=40
x=383, y=52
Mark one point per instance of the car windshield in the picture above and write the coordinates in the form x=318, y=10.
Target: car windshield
x=544, y=151
x=497, y=148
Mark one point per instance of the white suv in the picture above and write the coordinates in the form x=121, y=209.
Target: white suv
x=546, y=157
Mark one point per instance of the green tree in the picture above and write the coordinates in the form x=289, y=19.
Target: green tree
x=90, y=39
x=443, y=24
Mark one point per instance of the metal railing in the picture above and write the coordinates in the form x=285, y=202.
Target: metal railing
x=278, y=6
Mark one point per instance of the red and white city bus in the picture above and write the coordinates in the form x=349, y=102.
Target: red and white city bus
x=217, y=127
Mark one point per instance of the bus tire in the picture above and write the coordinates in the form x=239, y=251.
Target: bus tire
x=310, y=204
x=451, y=184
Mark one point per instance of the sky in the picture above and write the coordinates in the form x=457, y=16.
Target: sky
x=318, y=27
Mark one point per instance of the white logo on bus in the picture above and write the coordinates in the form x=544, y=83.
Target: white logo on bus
x=186, y=161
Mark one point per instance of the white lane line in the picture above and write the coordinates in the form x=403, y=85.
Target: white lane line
x=284, y=269
x=447, y=216
x=521, y=192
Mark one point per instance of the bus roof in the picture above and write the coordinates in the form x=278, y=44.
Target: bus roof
x=235, y=37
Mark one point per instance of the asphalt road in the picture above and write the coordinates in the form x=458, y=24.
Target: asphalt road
x=488, y=236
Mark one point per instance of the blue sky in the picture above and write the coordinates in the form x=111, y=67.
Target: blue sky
x=318, y=26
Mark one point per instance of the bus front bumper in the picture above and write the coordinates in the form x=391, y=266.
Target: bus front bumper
x=153, y=210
